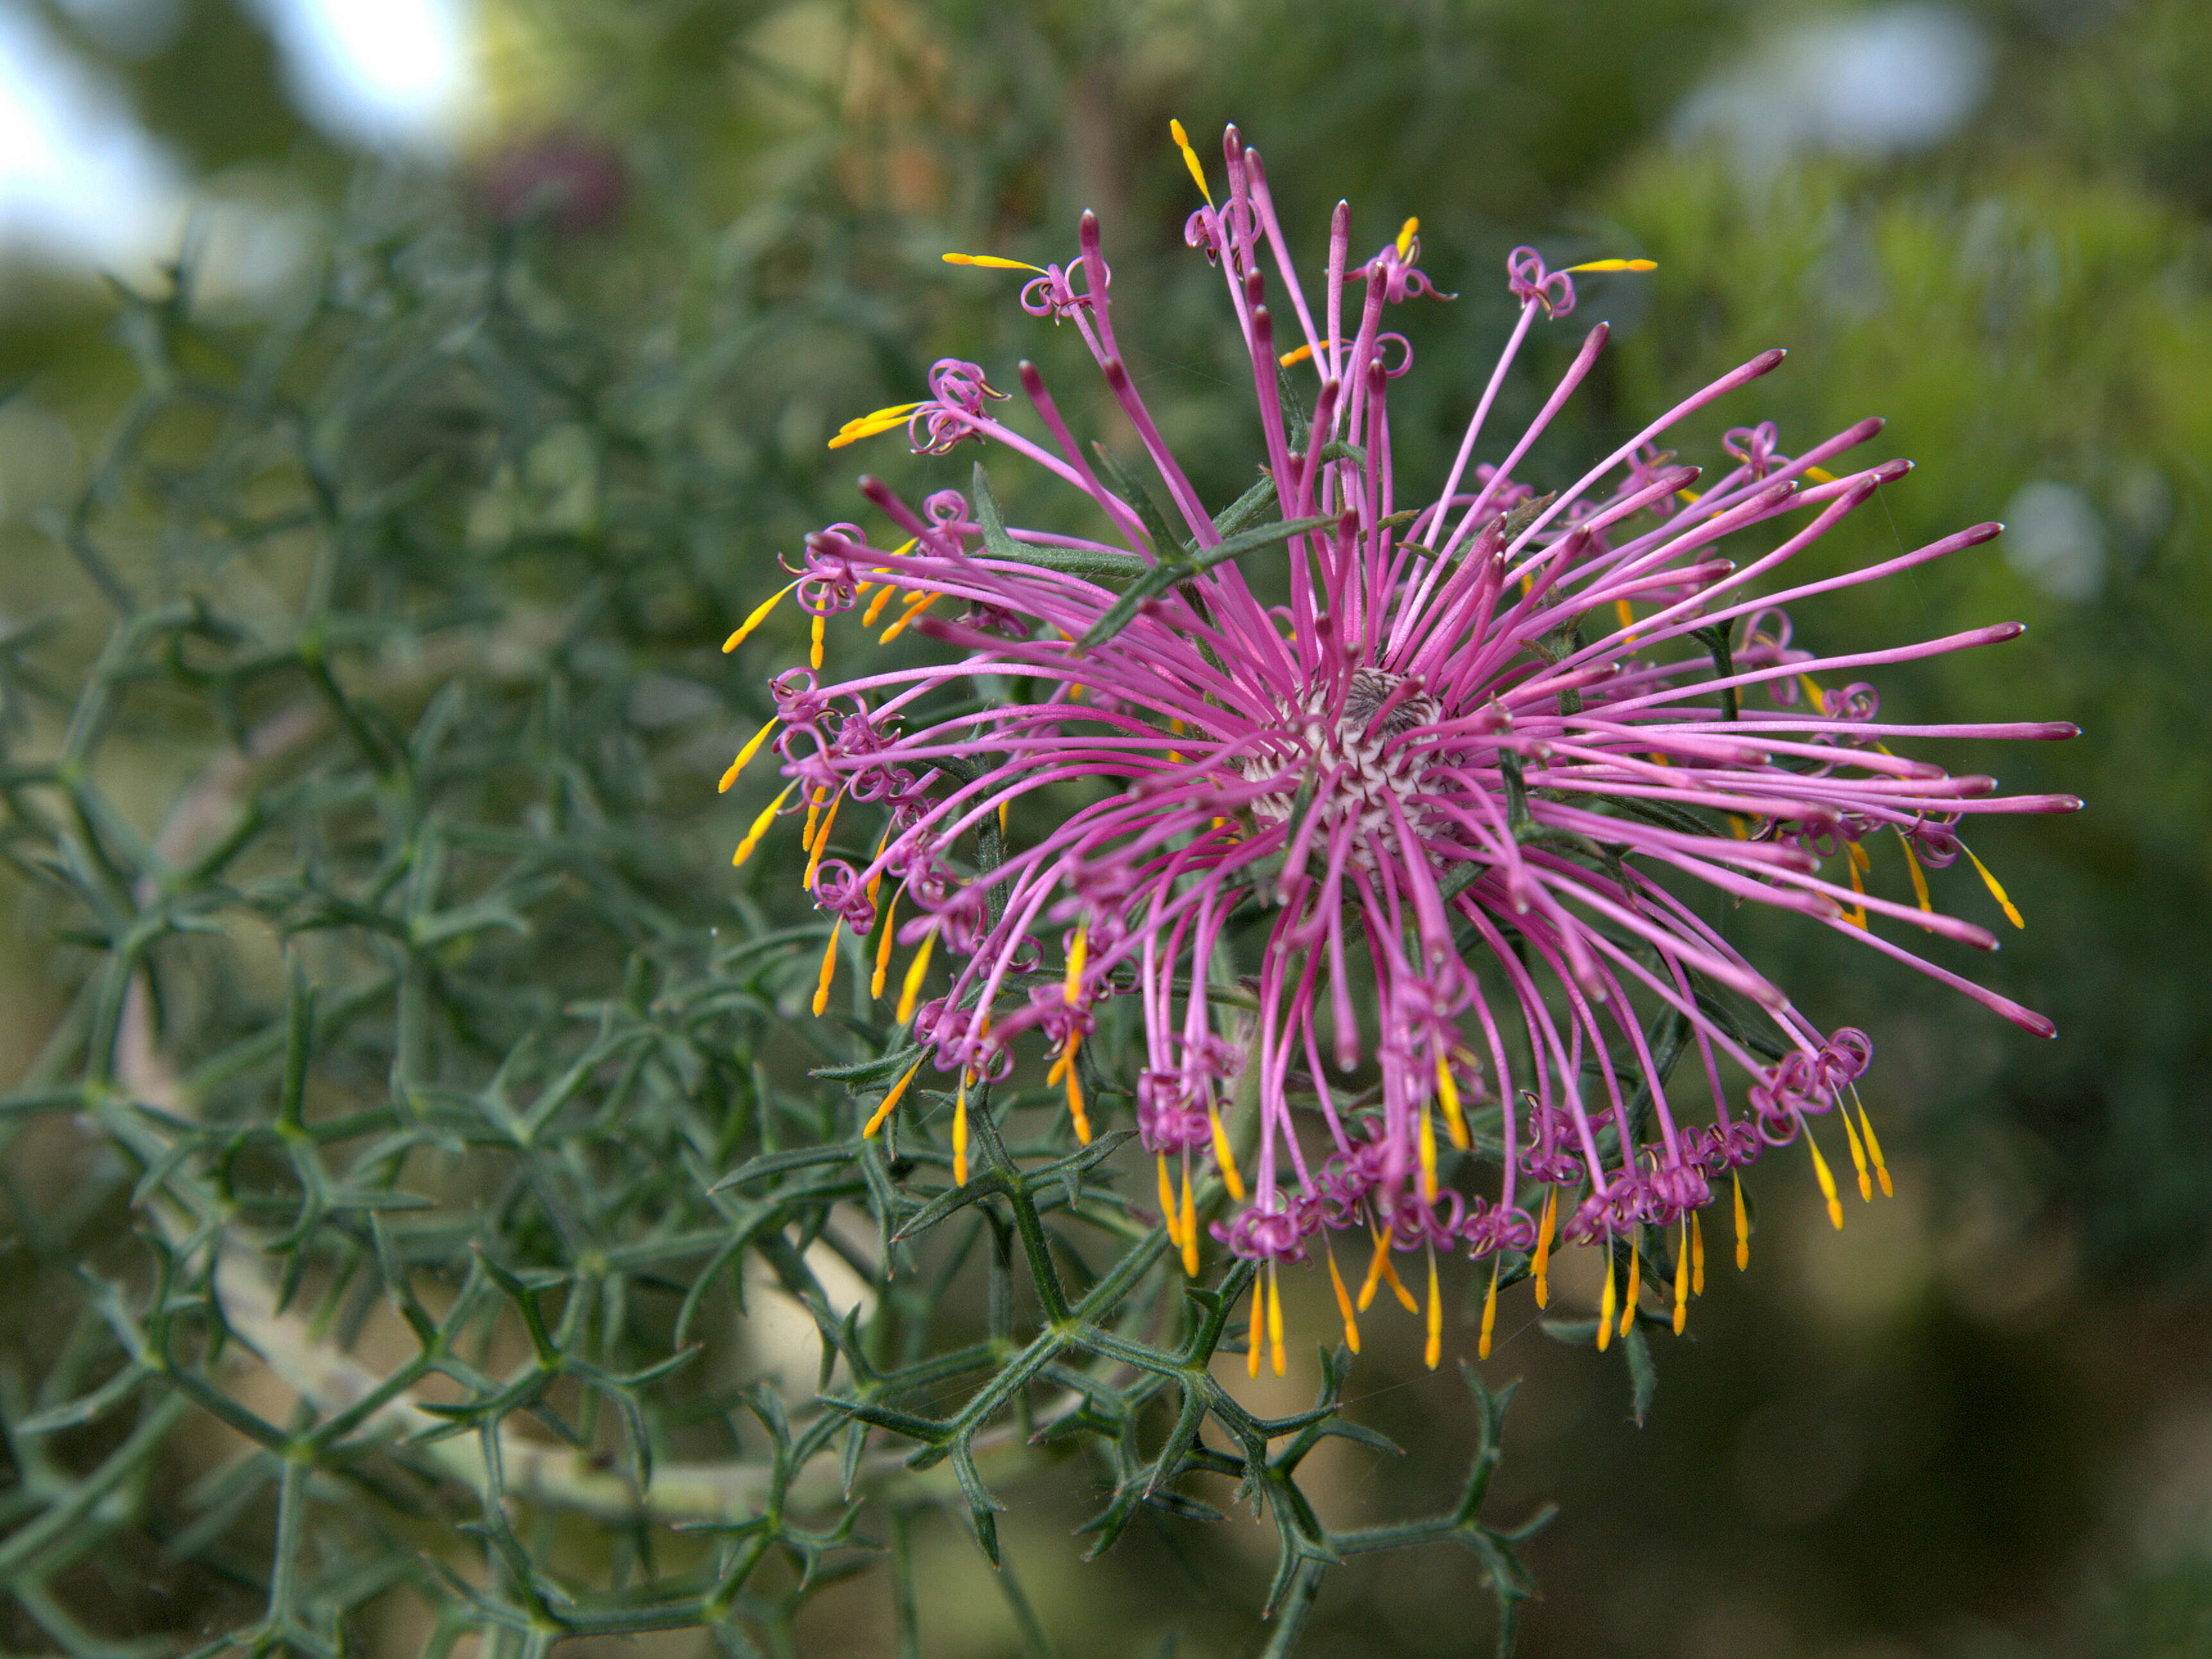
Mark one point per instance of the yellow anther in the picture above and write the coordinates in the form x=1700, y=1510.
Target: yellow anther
x=760, y=827
x=1375, y=1265
x=1489, y=1315
x=1857, y=855
x=1635, y=1288
x=1256, y=1334
x=1613, y=265
x=960, y=1134
x=821, y=844
x=1544, y=1246
x=1682, y=1281
x=1298, y=354
x=1077, y=953
x=889, y=1100
x=1075, y=1110
x=828, y=969
x=1873, y=1149
x=1826, y=1178
x=866, y=426
x=1004, y=807
x=909, y=992
x=1455, y=1118
x=745, y=755
x=1225, y=1156
x=1189, y=1226
x=1820, y=475
x=1168, y=1203
x=884, y=951
x=921, y=602
x=1997, y=892
x=1688, y=497
x=1343, y=1297
x=1275, y=1355
x=1697, y=1255
x=1812, y=690
x=1736, y=828
x=883, y=596
x=1742, y=1229
x=1434, y=1350
x=1919, y=876
x=1398, y=1286
x=1190, y=159
x=814, y=648
x=1858, y=1156
x=990, y=262
x=759, y=616
x=1406, y=232
x=1428, y=1154
x=1608, y=1306
x=1625, y=612
x=1857, y=916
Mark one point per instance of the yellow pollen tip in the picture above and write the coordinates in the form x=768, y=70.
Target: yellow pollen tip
x=1455, y=1118
x=1682, y=1281
x=1919, y=876
x=1434, y=1350
x=866, y=426
x=1635, y=1288
x=911, y=991
x=1077, y=954
x=1608, y=1306
x=1489, y=1315
x=1075, y=1108
x=1398, y=1286
x=828, y=969
x=960, y=1135
x=1428, y=1156
x=1697, y=1255
x=1873, y=1150
x=990, y=262
x=821, y=844
x=1544, y=1246
x=759, y=616
x=1857, y=916
x=1225, y=1156
x=1197, y=173
x=1189, y=1227
x=1742, y=1229
x=1858, y=1156
x=1406, y=232
x=1275, y=1354
x=814, y=648
x=1997, y=892
x=1822, y=1174
x=1343, y=1299
x=1375, y=1265
x=1168, y=1203
x=883, y=1110
x=920, y=603
x=884, y=951
x=745, y=755
x=1820, y=475
x=1255, y=1332
x=1612, y=264
x=760, y=827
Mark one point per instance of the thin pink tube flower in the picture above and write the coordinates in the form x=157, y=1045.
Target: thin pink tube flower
x=1476, y=769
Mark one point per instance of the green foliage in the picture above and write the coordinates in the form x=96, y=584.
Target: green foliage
x=439, y=1104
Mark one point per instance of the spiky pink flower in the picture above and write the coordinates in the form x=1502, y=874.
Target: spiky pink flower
x=1488, y=766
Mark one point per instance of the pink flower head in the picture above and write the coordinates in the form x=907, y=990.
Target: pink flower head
x=1467, y=778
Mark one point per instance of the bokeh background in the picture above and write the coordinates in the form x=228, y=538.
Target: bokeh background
x=1978, y=1421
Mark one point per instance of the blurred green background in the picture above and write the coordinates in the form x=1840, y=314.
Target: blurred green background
x=1978, y=1422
